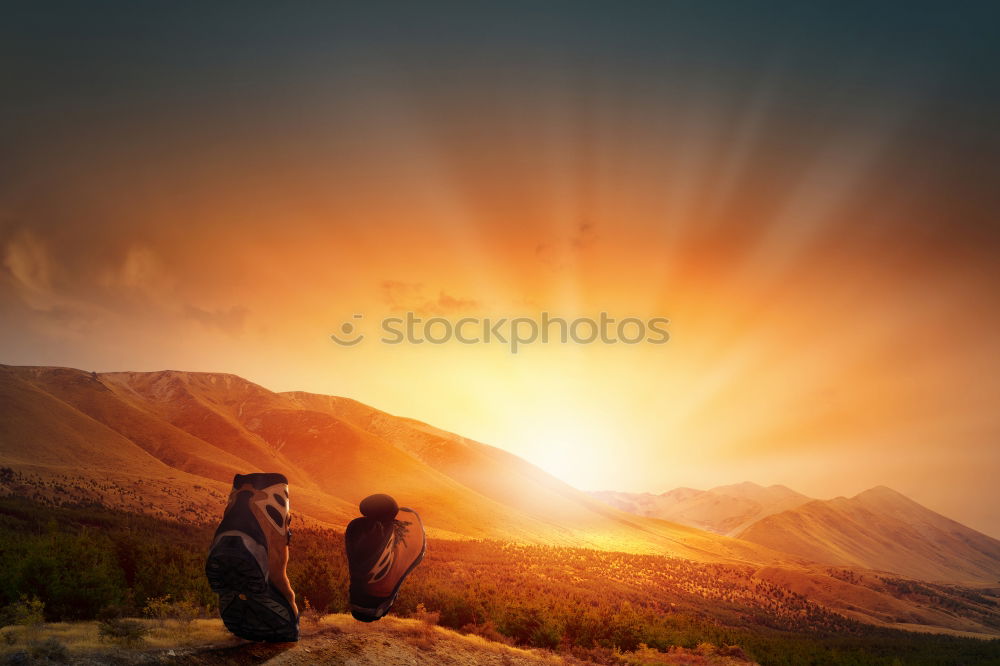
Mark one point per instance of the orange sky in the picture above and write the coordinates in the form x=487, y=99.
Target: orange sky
x=827, y=269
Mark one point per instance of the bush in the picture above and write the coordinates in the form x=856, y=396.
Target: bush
x=734, y=651
x=532, y=627
x=309, y=615
x=122, y=632
x=75, y=574
x=51, y=649
x=486, y=630
x=165, y=608
x=28, y=612
x=430, y=618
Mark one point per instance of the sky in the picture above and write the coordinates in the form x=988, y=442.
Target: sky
x=807, y=193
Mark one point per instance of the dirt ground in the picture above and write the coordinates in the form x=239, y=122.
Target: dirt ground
x=390, y=642
x=331, y=639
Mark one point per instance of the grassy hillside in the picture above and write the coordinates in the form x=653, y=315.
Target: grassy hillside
x=82, y=561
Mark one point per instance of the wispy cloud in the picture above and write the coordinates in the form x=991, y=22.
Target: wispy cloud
x=141, y=271
x=230, y=320
x=29, y=265
x=409, y=296
x=67, y=298
x=40, y=283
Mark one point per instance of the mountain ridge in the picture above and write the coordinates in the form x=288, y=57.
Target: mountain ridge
x=186, y=433
x=878, y=529
x=883, y=530
x=723, y=510
x=174, y=434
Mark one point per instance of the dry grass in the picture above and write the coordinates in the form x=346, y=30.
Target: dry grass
x=423, y=633
x=82, y=639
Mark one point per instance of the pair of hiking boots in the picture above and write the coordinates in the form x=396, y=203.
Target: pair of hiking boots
x=247, y=562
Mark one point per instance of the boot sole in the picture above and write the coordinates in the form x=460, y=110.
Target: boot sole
x=250, y=606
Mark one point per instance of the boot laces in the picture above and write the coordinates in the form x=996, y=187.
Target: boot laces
x=400, y=530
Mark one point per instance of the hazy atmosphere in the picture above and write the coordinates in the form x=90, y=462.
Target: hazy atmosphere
x=809, y=196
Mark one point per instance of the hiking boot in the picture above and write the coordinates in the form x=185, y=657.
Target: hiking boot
x=383, y=548
x=246, y=564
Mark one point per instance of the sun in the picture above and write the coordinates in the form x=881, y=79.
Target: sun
x=573, y=447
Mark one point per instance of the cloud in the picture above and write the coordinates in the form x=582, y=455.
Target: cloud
x=401, y=295
x=68, y=299
x=453, y=304
x=39, y=282
x=409, y=297
x=141, y=271
x=228, y=320
x=30, y=266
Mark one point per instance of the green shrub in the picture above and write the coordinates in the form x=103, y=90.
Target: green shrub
x=532, y=626
x=76, y=574
x=166, y=608
x=27, y=612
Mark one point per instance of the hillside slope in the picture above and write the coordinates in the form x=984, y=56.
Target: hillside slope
x=883, y=530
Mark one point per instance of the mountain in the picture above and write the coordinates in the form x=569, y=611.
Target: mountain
x=168, y=443
x=723, y=510
x=883, y=530
x=879, y=529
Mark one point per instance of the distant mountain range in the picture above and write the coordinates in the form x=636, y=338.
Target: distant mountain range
x=168, y=443
x=879, y=529
x=724, y=510
x=883, y=530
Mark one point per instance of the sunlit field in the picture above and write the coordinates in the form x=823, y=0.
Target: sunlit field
x=90, y=563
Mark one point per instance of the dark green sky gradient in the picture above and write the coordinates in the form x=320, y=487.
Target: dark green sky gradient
x=78, y=70
x=169, y=99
